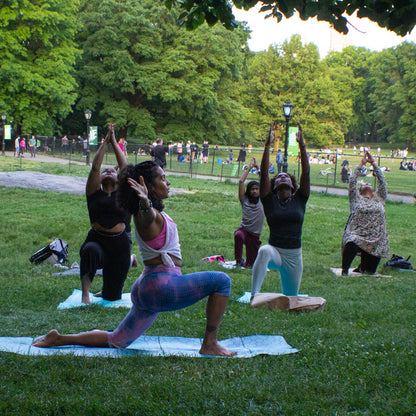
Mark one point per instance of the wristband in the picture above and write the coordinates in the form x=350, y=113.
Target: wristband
x=145, y=209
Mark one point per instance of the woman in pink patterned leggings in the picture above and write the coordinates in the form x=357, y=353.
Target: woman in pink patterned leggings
x=161, y=287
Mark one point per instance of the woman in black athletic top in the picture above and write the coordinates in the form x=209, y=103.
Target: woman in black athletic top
x=108, y=243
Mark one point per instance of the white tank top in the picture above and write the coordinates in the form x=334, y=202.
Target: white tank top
x=171, y=246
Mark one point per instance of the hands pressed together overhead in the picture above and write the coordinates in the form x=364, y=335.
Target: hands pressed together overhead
x=367, y=158
x=299, y=135
x=111, y=133
x=253, y=163
x=270, y=137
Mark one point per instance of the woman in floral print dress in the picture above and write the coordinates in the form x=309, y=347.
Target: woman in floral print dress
x=365, y=231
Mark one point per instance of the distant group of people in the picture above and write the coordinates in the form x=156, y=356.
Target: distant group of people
x=20, y=146
x=407, y=164
x=399, y=153
x=138, y=192
x=189, y=152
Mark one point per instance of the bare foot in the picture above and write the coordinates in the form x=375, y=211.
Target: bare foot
x=98, y=294
x=216, y=349
x=48, y=340
x=134, y=262
x=86, y=299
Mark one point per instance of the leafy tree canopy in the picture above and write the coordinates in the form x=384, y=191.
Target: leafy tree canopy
x=396, y=15
x=294, y=72
x=38, y=54
x=155, y=79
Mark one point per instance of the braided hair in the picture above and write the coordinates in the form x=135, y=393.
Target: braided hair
x=127, y=197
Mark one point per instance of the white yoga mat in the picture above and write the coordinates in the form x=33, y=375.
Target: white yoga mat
x=159, y=346
x=338, y=272
x=74, y=301
x=229, y=265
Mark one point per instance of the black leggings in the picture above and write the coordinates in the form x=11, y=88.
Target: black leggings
x=110, y=252
x=368, y=263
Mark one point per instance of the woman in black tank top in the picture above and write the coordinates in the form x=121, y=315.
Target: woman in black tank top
x=108, y=243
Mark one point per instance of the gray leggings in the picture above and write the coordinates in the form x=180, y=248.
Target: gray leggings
x=287, y=260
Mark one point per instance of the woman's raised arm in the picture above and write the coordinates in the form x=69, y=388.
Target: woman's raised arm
x=265, y=187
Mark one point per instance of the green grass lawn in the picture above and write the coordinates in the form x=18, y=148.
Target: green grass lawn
x=356, y=356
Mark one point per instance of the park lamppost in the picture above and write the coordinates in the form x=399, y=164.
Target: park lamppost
x=87, y=115
x=3, y=144
x=287, y=111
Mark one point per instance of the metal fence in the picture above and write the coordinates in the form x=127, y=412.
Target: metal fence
x=326, y=167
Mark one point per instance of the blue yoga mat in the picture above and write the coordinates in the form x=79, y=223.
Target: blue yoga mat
x=158, y=346
x=74, y=301
x=74, y=272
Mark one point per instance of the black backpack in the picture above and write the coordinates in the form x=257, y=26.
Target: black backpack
x=399, y=263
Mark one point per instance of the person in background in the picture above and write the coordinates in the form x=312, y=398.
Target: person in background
x=161, y=287
x=251, y=226
x=279, y=161
x=345, y=171
x=365, y=231
x=159, y=153
x=242, y=154
x=22, y=147
x=188, y=151
x=284, y=205
x=64, y=144
x=125, y=149
x=109, y=241
x=179, y=150
x=32, y=146
x=403, y=165
x=205, y=151
x=171, y=146
x=121, y=144
x=17, y=146
x=194, y=152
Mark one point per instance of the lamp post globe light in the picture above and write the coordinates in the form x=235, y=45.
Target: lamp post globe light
x=87, y=115
x=287, y=111
x=3, y=144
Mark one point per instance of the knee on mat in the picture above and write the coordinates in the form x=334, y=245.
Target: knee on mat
x=112, y=297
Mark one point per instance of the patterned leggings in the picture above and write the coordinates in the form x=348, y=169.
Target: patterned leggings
x=162, y=289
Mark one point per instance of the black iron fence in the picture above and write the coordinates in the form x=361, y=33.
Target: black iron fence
x=328, y=169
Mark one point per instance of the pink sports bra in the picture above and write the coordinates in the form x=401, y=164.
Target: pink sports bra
x=158, y=242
